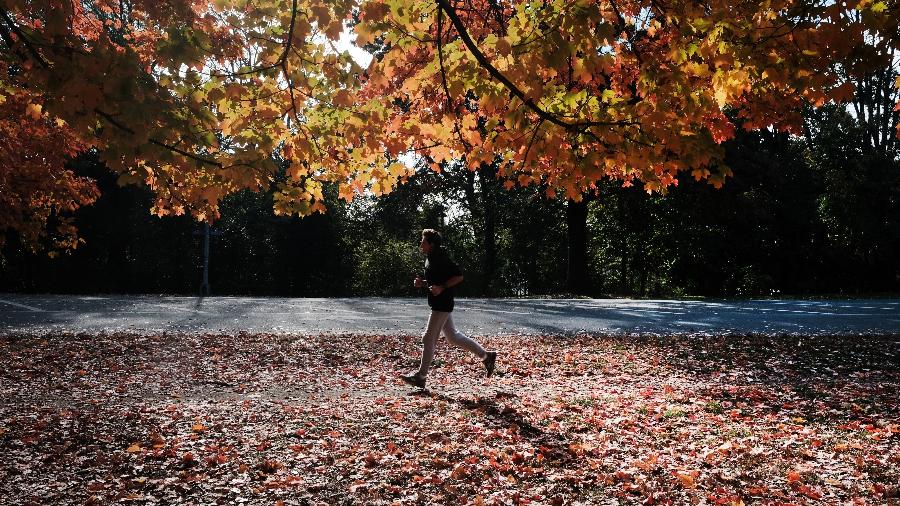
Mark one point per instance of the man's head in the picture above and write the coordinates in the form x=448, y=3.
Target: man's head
x=431, y=240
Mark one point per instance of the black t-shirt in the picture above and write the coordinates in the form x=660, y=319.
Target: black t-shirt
x=438, y=269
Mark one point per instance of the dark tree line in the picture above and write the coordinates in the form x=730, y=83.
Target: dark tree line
x=817, y=214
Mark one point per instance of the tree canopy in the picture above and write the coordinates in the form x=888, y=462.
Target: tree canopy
x=195, y=98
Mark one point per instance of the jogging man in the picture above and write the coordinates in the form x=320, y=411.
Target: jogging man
x=441, y=276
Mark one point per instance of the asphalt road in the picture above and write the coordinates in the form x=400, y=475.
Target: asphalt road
x=150, y=313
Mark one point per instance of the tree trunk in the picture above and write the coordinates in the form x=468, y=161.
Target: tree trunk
x=489, y=230
x=576, y=272
x=482, y=207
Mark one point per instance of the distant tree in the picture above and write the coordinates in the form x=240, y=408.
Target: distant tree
x=859, y=206
x=125, y=249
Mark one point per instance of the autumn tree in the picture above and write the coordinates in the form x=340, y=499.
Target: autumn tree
x=192, y=97
x=570, y=92
x=37, y=189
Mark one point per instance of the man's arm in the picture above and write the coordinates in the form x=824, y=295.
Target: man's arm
x=437, y=289
x=455, y=280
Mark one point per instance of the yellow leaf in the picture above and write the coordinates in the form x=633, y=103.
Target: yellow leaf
x=322, y=16
x=135, y=448
x=334, y=29
x=721, y=96
x=364, y=34
x=215, y=95
x=33, y=110
x=503, y=47
x=397, y=169
x=234, y=90
x=646, y=464
x=297, y=171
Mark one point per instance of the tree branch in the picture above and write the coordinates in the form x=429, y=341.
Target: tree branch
x=440, y=49
x=112, y=121
x=513, y=89
x=530, y=143
x=624, y=27
x=28, y=45
x=450, y=107
x=281, y=58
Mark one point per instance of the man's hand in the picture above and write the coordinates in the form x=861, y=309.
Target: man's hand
x=436, y=289
x=418, y=282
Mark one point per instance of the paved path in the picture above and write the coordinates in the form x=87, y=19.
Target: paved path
x=148, y=313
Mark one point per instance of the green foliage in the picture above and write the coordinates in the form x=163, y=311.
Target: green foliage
x=757, y=236
x=773, y=229
x=289, y=256
x=858, y=205
x=125, y=250
x=531, y=244
x=386, y=267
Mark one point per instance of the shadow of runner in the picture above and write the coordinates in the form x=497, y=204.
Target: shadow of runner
x=554, y=447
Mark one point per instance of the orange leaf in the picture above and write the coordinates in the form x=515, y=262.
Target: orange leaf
x=646, y=464
x=343, y=98
x=34, y=111
x=688, y=480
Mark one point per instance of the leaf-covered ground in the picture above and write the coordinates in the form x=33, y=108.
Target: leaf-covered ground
x=258, y=419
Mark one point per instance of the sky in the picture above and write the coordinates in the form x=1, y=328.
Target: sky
x=361, y=56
